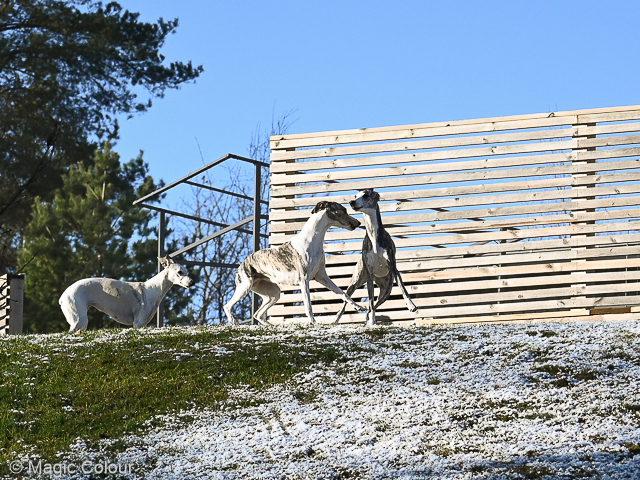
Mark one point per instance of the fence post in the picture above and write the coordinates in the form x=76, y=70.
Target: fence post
x=161, y=230
x=11, y=304
x=256, y=230
x=587, y=187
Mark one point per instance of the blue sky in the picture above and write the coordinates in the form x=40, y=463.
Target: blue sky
x=352, y=64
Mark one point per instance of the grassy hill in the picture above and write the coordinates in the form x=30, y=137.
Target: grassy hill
x=493, y=401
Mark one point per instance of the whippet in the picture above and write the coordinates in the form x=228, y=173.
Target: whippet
x=129, y=303
x=295, y=262
x=378, y=261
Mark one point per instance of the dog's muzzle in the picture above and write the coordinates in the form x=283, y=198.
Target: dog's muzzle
x=353, y=223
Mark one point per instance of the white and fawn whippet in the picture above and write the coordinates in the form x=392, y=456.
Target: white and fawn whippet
x=130, y=303
x=295, y=262
x=378, y=261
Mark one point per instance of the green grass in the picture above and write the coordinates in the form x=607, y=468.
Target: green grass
x=66, y=387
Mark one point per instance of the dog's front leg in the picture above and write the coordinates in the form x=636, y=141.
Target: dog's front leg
x=306, y=296
x=324, y=279
x=141, y=320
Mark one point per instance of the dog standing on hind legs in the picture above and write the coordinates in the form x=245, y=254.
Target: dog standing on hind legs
x=295, y=262
x=129, y=303
x=378, y=261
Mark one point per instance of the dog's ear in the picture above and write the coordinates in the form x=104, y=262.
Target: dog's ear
x=164, y=261
x=323, y=205
x=336, y=207
x=374, y=195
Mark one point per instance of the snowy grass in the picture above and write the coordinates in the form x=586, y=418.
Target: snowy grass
x=55, y=388
x=453, y=402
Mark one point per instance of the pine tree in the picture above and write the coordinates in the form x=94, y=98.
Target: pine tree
x=68, y=70
x=89, y=229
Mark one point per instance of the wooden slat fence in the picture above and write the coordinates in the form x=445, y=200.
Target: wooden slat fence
x=499, y=219
x=11, y=303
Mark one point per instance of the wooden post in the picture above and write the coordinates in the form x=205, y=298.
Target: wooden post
x=11, y=304
x=161, y=240
x=577, y=152
x=275, y=236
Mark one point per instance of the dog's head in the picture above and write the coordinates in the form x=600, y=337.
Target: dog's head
x=368, y=198
x=178, y=274
x=337, y=214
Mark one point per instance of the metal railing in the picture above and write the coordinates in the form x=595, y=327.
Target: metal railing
x=187, y=180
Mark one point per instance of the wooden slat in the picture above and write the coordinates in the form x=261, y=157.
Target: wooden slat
x=346, y=174
x=517, y=223
x=493, y=284
x=497, y=149
x=608, y=141
x=468, y=201
x=469, y=250
x=357, y=162
x=447, y=178
x=451, y=264
x=450, y=215
x=417, y=278
x=613, y=116
x=487, y=308
x=473, y=126
x=441, y=264
x=475, y=299
x=583, y=131
x=573, y=315
x=464, y=191
x=436, y=278
x=417, y=132
x=448, y=155
x=448, y=142
x=500, y=162
x=505, y=237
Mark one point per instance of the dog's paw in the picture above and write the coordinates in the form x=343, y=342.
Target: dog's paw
x=360, y=308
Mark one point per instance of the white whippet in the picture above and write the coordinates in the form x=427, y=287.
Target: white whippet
x=130, y=303
x=378, y=261
x=295, y=262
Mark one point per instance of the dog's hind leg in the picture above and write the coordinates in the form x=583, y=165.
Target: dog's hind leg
x=407, y=299
x=76, y=315
x=270, y=293
x=242, y=289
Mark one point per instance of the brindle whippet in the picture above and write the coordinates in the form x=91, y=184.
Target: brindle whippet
x=295, y=262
